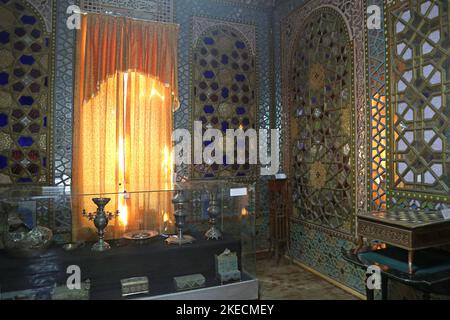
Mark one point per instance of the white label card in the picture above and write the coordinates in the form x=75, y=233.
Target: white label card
x=238, y=192
x=446, y=214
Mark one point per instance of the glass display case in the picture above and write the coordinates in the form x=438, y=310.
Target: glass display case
x=196, y=241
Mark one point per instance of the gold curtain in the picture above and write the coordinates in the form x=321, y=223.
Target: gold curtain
x=126, y=89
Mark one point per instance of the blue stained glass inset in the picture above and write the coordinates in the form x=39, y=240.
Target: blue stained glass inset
x=225, y=126
x=208, y=109
x=36, y=34
x=4, y=78
x=24, y=180
x=240, y=110
x=208, y=74
x=4, y=37
x=3, y=162
x=26, y=141
x=26, y=100
x=224, y=59
x=225, y=93
x=208, y=41
x=214, y=64
x=28, y=20
x=3, y=120
x=26, y=59
x=240, y=45
x=240, y=77
x=18, y=86
x=20, y=32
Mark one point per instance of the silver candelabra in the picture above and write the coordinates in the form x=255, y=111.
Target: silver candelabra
x=101, y=220
x=179, y=201
x=213, y=212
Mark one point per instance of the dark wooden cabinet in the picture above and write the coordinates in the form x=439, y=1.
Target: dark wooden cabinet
x=279, y=217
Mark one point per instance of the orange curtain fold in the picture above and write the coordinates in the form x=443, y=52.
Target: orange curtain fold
x=126, y=90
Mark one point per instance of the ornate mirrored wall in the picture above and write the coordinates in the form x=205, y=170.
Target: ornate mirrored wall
x=26, y=78
x=325, y=115
x=419, y=92
x=321, y=123
x=224, y=91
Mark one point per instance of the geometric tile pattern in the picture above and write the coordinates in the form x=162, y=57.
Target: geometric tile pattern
x=316, y=247
x=321, y=122
x=376, y=50
x=322, y=252
x=224, y=93
x=353, y=14
x=224, y=11
x=281, y=10
x=25, y=99
x=44, y=7
x=155, y=10
x=420, y=91
x=65, y=43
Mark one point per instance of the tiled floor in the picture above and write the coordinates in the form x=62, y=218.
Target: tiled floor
x=288, y=281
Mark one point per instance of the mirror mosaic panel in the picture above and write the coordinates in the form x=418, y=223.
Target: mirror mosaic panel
x=321, y=122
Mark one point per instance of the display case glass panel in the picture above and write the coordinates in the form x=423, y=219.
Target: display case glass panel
x=142, y=255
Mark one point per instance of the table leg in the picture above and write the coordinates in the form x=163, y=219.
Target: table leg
x=384, y=287
x=370, y=293
x=410, y=261
x=360, y=244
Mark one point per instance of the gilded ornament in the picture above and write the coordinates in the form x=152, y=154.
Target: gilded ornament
x=317, y=76
x=5, y=100
x=43, y=142
x=346, y=122
x=317, y=175
x=5, y=141
x=6, y=58
x=7, y=18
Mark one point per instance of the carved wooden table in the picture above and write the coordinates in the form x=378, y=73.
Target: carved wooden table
x=407, y=229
